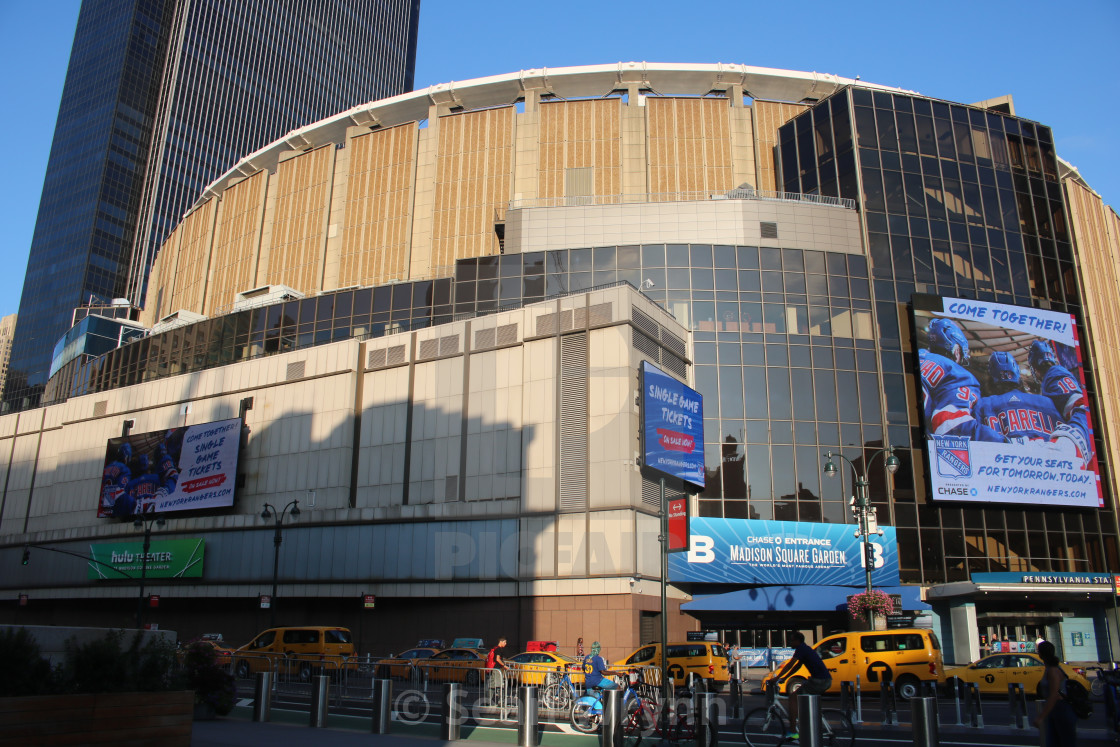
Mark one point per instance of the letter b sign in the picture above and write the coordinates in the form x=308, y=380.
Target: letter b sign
x=700, y=549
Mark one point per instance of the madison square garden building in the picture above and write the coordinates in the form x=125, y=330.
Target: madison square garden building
x=431, y=312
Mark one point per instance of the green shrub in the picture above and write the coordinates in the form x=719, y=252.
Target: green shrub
x=103, y=665
x=212, y=685
x=25, y=670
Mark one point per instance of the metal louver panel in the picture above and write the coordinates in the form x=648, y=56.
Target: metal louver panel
x=673, y=343
x=99, y=408
x=507, y=334
x=428, y=349
x=673, y=364
x=395, y=355
x=375, y=359
x=573, y=422
x=645, y=346
x=484, y=338
x=573, y=319
x=768, y=230
x=295, y=370
x=449, y=345
x=644, y=323
x=651, y=492
x=600, y=314
x=546, y=324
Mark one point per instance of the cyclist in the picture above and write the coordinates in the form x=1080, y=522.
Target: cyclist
x=819, y=679
x=596, y=672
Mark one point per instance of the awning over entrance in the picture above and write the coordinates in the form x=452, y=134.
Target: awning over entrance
x=794, y=599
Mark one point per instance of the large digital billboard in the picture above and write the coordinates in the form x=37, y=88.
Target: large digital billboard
x=1003, y=403
x=166, y=559
x=672, y=426
x=765, y=552
x=179, y=469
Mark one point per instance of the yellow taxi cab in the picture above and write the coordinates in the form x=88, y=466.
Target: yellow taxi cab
x=222, y=655
x=454, y=665
x=704, y=659
x=403, y=664
x=297, y=651
x=533, y=667
x=994, y=673
x=905, y=656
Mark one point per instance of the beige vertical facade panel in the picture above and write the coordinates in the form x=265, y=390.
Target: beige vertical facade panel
x=161, y=281
x=1096, y=231
x=336, y=215
x=194, y=258
x=299, y=228
x=236, y=242
x=580, y=134
x=743, y=162
x=474, y=172
x=375, y=239
x=768, y=117
x=690, y=145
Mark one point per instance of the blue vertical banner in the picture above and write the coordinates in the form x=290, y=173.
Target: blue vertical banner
x=672, y=427
x=752, y=551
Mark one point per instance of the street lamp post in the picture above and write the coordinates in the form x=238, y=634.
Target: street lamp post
x=863, y=505
x=270, y=512
x=140, y=521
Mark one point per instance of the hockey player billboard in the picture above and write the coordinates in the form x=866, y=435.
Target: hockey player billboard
x=1004, y=407
x=672, y=426
x=179, y=469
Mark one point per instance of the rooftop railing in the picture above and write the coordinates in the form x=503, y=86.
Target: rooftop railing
x=742, y=193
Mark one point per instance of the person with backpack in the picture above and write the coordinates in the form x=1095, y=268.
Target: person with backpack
x=1057, y=719
x=494, y=667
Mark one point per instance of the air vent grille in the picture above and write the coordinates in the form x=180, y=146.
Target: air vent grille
x=100, y=408
x=484, y=338
x=295, y=370
x=768, y=230
x=507, y=334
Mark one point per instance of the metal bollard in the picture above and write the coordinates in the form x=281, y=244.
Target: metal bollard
x=1017, y=700
x=611, y=735
x=707, y=720
x=972, y=707
x=320, y=698
x=451, y=712
x=957, y=685
x=809, y=720
x=262, y=697
x=887, y=703
x=858, y=718
x=923, y=712
x=382, y=706
x=848, y=699
x=736, y=693
x=528, y=718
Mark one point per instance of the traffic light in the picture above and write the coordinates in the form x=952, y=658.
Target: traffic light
x=26, y=555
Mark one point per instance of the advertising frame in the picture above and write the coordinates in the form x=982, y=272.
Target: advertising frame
x=1004, y=414
x=672, y=427
x=181, y=468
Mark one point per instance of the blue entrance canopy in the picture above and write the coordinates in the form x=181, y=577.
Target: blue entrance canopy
x=795, y=599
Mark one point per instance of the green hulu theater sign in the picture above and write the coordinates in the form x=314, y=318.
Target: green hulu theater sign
x=166, y=559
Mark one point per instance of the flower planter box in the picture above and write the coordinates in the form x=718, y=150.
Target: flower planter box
x=104, y=718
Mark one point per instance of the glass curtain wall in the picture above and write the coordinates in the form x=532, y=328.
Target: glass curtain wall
x=964, y=202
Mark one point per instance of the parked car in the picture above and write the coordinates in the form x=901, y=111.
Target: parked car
x=454, y=665
x=299, y=652
x=403, y=664
x=994, y=673
x=533, y=667
x=223, y=655
x=905, y=656
x=704, y=659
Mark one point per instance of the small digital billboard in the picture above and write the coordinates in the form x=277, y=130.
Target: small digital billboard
x=178, y=469
x=672, y=426
x=1004, y=408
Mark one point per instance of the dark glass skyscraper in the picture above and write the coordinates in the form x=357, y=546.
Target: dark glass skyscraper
x=161, y=97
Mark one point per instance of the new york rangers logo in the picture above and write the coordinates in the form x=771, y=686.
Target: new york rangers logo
x=953, y=458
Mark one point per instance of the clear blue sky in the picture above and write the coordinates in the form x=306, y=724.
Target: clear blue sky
x=1051, y=56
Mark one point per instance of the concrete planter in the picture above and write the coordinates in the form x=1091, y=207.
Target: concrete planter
x=103, y=718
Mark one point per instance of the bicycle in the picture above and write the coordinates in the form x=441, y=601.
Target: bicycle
x=767, y=726
x=587, y=712
x=559, y=692
x=1106, y=685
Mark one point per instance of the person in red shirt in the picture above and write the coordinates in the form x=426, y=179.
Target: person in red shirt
x=495, y=666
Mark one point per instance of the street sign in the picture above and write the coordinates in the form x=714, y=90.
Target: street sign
x=266, y=601
x=368, y=601
x=153, y=600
